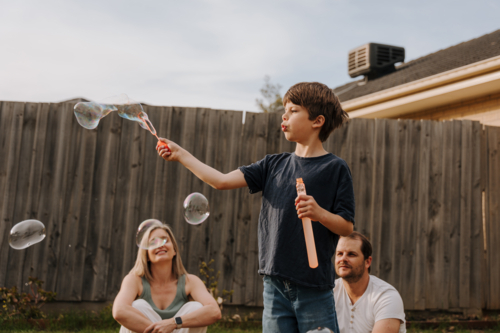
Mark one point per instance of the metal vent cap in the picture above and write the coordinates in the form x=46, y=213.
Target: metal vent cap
x=374, y=60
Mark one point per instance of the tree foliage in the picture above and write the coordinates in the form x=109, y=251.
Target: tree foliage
x=272, y=101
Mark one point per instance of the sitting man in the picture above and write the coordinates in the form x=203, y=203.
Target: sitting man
x=364, y=302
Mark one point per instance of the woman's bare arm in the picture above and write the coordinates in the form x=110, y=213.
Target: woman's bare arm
x=205, y=316
x=123, y=312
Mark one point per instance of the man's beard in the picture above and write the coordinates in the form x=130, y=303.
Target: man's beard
x=355, y=274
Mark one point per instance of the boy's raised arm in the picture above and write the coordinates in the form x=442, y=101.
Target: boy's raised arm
x=209, y=175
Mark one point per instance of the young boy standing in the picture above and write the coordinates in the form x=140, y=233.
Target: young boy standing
x=297, y=298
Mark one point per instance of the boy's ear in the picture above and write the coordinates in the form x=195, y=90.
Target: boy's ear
x=319, y=121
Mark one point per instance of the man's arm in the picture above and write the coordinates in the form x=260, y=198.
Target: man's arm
x=214, y=178
x=390, y=325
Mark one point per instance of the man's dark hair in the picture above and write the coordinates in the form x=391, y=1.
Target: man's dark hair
x=366, y=246
x=319, y=100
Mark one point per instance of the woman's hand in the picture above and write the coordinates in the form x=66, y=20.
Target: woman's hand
x=164, y=326
x=172, y=153
x=308, y=207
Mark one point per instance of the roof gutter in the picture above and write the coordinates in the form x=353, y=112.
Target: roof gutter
x=480, y=78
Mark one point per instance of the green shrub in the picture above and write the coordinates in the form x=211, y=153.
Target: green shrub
x=25, y=305
x=210, y=281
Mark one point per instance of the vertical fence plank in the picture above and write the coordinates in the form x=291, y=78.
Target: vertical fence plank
x=35, y=175
x=397, y=201
x=447, y=185
x=410, y=212
x=434, y=270
x=231, y=154
x=493, y=215
x=477, y=245
x=423, y=204
x=485, y=274
x=375, y=234
x=465, y=216
x=386, y=241
x=18, y=258
x=253, y=284
x=197, y=238
x=243, y=213
x=453, y=233
x=62, y=117
x=361, y=171
x=12, y=124
x=71, y=241
x=104, y=194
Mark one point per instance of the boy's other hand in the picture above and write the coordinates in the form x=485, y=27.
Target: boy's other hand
x=172, y=153
x=308, y=207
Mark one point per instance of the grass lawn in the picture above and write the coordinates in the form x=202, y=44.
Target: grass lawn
x=217, y=329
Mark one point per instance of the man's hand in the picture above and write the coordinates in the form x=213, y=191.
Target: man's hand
x=172, y=153
x=164, y=326
x=308, y=207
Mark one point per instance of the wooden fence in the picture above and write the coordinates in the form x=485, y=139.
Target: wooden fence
x=418, y=184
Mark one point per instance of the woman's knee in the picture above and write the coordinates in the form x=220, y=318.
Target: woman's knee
x=140, y=304
x=190, y=307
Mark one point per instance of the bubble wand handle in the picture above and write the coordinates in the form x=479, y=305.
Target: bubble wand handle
x=159, y=143
x=308, y=230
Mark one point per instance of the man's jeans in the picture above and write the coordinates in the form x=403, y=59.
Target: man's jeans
x=290, y=308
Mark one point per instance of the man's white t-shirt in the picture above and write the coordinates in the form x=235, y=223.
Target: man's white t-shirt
x=380, y=301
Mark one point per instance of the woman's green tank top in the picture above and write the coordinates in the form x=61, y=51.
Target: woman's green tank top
x=179, y=300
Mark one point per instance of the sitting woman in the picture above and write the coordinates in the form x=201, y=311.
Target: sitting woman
x=154, y=296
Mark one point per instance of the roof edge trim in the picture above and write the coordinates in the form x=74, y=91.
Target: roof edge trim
x=457, y=74
x=458, y=91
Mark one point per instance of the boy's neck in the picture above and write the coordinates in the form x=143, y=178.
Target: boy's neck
x=314, y=149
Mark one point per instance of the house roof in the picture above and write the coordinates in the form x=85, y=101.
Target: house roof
x=478, y=49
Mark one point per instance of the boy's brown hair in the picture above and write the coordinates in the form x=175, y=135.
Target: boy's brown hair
x=319, y=100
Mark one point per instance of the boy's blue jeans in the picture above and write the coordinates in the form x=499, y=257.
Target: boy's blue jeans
x=290, y=308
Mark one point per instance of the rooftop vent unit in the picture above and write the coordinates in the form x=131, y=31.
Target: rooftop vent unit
x=374, y=60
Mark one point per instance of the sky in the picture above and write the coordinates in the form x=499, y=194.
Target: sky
x=211, y=53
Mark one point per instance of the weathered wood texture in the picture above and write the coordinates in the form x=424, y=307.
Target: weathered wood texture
x=418, y=187
x=491, y=278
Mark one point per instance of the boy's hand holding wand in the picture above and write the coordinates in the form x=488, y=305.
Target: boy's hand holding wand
x=302, y=210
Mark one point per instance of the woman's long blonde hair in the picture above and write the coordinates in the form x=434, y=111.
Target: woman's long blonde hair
x=142, y=265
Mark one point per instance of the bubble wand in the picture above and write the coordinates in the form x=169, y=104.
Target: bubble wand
x=308, y=231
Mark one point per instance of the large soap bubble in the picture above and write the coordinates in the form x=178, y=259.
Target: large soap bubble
x=196, y=208
x=88, y=114
x=148, y=244
x=26, y=233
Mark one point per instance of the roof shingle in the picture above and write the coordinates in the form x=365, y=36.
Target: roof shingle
x=478, y=49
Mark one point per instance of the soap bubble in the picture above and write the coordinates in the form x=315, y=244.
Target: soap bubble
x=89, y=114
x=145, y=244
x=26, y=233
x=196, y=208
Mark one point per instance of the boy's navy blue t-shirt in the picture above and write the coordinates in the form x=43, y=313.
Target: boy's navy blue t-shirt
x=282, y=247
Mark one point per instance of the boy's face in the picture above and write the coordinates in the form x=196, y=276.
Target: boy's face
x=296, y=124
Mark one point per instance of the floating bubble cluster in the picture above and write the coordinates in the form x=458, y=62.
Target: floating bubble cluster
x=89, y=114
x=148, y=244
x=196, y=208
x=26, y=233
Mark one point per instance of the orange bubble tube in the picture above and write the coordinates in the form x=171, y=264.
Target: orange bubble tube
x=308, y=230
